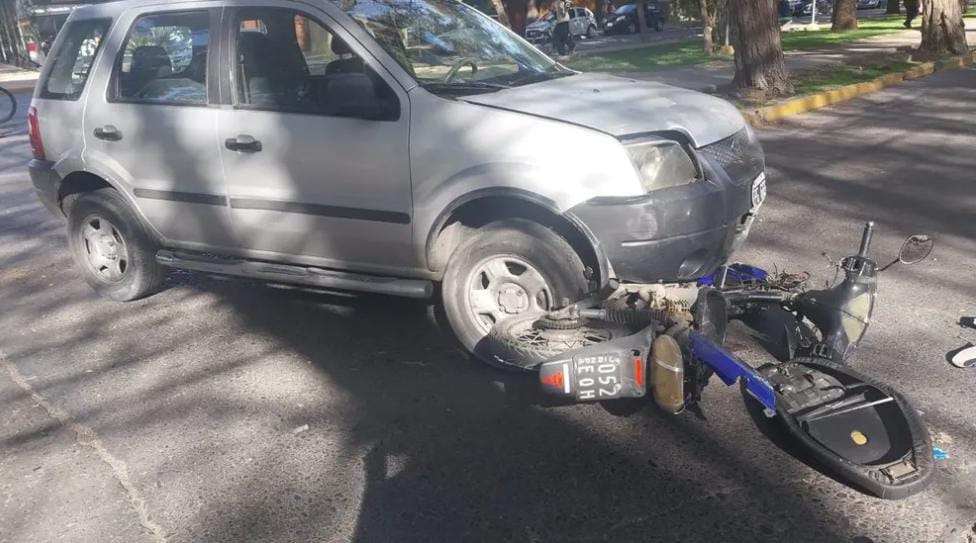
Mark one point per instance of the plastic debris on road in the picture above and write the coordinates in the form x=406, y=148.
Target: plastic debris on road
x=939, y=454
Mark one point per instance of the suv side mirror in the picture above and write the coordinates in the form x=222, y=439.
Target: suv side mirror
x=355, y=95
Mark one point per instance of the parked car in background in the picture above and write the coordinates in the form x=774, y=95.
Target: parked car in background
x=872, y=4
x=624, y=19
x=805, y=7
x=39, y=26
x=541, y=30
x=582, y=23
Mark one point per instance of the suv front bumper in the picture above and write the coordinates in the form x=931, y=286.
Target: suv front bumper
x=671, y=235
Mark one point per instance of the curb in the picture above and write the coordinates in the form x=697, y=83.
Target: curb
x=811, y=102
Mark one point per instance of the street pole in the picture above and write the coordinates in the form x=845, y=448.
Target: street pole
x=813, y=13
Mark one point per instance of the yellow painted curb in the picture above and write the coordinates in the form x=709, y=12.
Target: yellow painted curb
x=823, y=99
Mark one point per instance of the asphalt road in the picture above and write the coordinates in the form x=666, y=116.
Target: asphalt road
x=182, y=417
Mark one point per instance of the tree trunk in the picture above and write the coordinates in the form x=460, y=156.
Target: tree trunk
x=894, y=7
x=964, y=6
x=942, y=28
x=500, y=11
x=708, y=24
x=759, y=63
x=642, y=19
x=518, y=14
x=845, y=15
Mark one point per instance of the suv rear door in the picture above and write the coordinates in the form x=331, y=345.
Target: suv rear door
x=151, y=122
x=308, y=181
x=65, y=78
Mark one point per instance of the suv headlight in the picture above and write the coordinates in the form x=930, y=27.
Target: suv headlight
x=662, y=163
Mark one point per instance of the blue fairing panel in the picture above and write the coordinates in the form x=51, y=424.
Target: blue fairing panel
x=730, y=369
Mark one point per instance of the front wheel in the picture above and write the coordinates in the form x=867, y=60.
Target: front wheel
x=591, y=32
x=506, y=269
x=116, y=255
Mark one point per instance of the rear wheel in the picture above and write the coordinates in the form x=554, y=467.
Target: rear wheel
x=116, y=255
x=523, y=343
x=591, y=32
x=8, y=105
x=508, y=268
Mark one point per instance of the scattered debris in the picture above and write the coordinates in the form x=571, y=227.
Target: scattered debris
x=965, y=357
x=301, y=429
x=939, y=454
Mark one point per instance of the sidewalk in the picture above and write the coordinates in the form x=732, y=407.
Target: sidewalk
x=707, y=77
x=17, y=80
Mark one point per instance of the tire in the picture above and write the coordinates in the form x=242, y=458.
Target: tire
x=519, y=344
x=489, y=263
x=591, y=32
x=8, y=105
x=632, y=28
x=658, y=26
x=115, y=253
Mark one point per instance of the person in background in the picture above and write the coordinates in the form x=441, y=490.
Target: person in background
x=562, y=37
x=911, y=11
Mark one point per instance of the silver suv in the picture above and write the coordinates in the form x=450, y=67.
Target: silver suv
x=382, y=146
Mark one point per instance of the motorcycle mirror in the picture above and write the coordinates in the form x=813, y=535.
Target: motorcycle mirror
x=916, y=249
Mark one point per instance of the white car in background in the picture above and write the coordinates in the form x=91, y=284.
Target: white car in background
x=582, y=23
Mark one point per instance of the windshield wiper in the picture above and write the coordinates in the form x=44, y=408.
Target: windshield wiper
x=462, y=87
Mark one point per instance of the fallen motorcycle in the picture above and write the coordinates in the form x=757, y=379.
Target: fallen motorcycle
x=666, y=342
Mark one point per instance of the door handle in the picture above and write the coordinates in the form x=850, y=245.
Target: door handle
x=108, y=133
x=243, y=143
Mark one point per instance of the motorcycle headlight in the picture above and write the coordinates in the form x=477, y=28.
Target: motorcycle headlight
x=662, y=163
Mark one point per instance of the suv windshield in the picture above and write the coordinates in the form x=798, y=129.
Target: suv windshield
x=625, y=9
x=450, y=47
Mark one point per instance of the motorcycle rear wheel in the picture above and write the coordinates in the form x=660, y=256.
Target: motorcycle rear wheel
x=518, y=344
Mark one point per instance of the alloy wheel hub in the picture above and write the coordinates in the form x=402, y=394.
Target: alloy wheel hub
x=512, y=299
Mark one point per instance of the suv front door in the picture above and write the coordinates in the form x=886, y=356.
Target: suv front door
x=312, y=177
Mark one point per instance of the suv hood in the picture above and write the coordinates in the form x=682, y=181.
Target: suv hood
x=538, y=25
x=621, y=107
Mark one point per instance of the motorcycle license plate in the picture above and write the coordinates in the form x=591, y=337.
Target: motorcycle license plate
x=596, y=376
x=759, y=191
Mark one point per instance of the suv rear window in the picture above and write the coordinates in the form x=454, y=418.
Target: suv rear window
x=72, y=61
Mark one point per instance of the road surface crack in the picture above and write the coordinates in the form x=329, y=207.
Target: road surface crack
x=89, y=438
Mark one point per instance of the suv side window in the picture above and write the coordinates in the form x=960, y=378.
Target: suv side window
x=164, y=60
x=72, y=62
x=289, y=62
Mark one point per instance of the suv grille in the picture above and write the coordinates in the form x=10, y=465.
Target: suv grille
x=741, y=158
